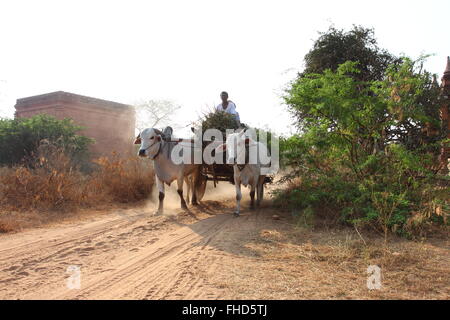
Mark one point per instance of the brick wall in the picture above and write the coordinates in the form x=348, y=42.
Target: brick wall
x=111, y=124
x=444, y=111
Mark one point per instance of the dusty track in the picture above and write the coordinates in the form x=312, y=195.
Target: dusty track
x=206, y=253
x=128, y=254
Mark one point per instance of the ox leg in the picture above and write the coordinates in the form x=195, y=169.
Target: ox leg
x=238, y=198
x=180, y=192
x=195, y=184
x=252, y=196
x=188, y=182
x=259, y=191
x=161, y=195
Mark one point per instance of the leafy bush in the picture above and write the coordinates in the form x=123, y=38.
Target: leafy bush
x=367, y=149
x=21, y=137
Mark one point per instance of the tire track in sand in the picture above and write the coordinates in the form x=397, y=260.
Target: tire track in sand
x=135, y=257
x=162, y=270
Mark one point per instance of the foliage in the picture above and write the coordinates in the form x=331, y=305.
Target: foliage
x=401, y=108
x=264, y=136
x=20, y=138
x=218, y=120
x=335, y=47
x=362, y=149
x=223, y=121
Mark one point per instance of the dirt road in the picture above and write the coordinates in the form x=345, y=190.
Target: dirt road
x=208, y=254
x=131, y=255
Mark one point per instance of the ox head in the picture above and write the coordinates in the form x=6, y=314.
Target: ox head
x=234, y=146
x=150, y=141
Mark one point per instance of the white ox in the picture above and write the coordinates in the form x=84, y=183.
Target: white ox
x=166, y=171
x=238, y=146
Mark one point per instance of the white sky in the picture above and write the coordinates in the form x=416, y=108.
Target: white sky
x=189, y=51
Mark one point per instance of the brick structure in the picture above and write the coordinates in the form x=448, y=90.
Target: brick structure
x=444, y=112
x=111, y=124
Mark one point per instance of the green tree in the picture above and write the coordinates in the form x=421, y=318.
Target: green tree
x=401, y=107
x=377, y=67
x=335, y=47
x=352, y=151
x=21, y=137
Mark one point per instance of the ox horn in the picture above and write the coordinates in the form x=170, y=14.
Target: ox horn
x=157, y=131
x=138, y=139
x=160, y=133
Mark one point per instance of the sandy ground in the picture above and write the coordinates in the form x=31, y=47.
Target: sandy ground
x=206, y=253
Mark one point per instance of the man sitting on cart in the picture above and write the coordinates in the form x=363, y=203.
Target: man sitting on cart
x=228, y=106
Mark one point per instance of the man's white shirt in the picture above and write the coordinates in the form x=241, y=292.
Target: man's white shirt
x=231, y=108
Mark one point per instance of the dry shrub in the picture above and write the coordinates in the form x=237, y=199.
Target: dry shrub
x=435, y=208
x=124, y=180
x=218, y=120
x=52, y=182
x=7, y=226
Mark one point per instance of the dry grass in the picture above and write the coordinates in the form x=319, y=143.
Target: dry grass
x=123, y=180
x=7, y=226
x=53, y=184
x=288, y=262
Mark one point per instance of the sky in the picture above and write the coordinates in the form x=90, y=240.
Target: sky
x=190, y=51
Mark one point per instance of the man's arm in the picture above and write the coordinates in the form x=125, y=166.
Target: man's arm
x=232, y=107
x=233, y=111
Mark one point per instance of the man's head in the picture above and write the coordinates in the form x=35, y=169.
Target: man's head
x=224, y=96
